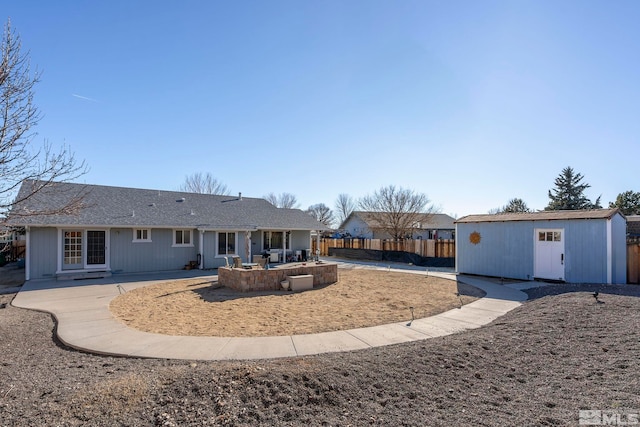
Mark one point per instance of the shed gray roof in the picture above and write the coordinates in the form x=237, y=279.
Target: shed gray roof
x=132, y=207
x=541, y=216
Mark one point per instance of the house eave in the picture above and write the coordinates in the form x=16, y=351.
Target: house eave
x=168, y=227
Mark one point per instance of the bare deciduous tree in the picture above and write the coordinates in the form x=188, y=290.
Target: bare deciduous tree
x=322, y=213
x=345, y=205
x=396, y=211
x=284, y=200
x=204, y=184
x=37, y=169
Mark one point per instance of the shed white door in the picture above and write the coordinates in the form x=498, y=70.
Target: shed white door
x=549, y=254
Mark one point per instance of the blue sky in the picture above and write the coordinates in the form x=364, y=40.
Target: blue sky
x=469, y=102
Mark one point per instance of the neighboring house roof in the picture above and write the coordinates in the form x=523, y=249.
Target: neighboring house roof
x=541, y=216
x=633, y=225
x=438, y=222
x=427, y=221
x=132, y=207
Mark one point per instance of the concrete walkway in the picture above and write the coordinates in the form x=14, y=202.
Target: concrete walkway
x=85, y=322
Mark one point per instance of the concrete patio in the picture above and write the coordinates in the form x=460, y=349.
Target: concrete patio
x=84, y=321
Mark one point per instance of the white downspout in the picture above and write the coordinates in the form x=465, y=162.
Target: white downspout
x=27, y=254
x=609, y=253
x=456, y=253
x=201, y=249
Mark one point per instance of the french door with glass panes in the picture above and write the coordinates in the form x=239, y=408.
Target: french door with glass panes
x=84, y=249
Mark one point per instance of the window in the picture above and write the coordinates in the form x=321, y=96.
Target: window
x=549, y=236
x=182, y=238
x=226, y=243
x=273, y=240
x=141, y=235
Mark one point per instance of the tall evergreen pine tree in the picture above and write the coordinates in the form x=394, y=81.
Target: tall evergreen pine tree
x=569, y=193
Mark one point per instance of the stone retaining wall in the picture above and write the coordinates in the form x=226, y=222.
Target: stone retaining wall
x=243, y=280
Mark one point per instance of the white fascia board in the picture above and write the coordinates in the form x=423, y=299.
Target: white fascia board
x=102, y=226
x=228, y=228
x=291, y=229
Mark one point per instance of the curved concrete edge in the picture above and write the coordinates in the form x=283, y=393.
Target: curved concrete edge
x=12, y=290
x=84, y=322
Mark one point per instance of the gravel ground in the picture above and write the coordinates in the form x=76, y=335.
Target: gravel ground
x=537, y=365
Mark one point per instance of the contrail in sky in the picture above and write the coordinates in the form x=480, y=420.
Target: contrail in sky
x=84, y=97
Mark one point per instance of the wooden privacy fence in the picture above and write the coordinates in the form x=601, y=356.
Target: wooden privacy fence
x=633, y=263
x=14, y=250
x=441, y=248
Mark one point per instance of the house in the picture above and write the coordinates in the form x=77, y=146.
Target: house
x=8, y=235
x=130, y=230
x=587, y=246
x=428, y=226
x=11, y=244
x=633, y=226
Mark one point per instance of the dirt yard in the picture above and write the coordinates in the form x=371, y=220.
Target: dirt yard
x=536, y=366
x=361, y=297
x=11, y=276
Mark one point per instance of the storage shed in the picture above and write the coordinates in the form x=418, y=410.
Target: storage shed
x=587, y=246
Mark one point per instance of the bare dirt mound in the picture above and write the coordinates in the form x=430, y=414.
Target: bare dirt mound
x=361, y=297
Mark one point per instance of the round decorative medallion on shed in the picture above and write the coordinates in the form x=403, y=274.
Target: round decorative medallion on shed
x=474, y=237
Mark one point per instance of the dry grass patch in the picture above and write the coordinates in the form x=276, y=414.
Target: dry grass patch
x=112, y=396
x=360, y=298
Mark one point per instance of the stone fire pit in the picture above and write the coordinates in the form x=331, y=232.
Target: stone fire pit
x=259, y=279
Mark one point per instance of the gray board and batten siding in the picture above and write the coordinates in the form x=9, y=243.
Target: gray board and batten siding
x=592, y=245
x=43, y=243
x=157, y=255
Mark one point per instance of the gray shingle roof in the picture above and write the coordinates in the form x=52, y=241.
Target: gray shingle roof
x=541, y=216
x=133, y=207
x=427, y=221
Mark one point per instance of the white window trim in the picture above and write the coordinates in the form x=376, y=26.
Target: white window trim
x=182, y=245
x=147, y=240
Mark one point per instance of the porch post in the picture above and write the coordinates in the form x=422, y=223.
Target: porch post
x=284, y=247
x=247, y=245
x=27, y=254
x=318, y=244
